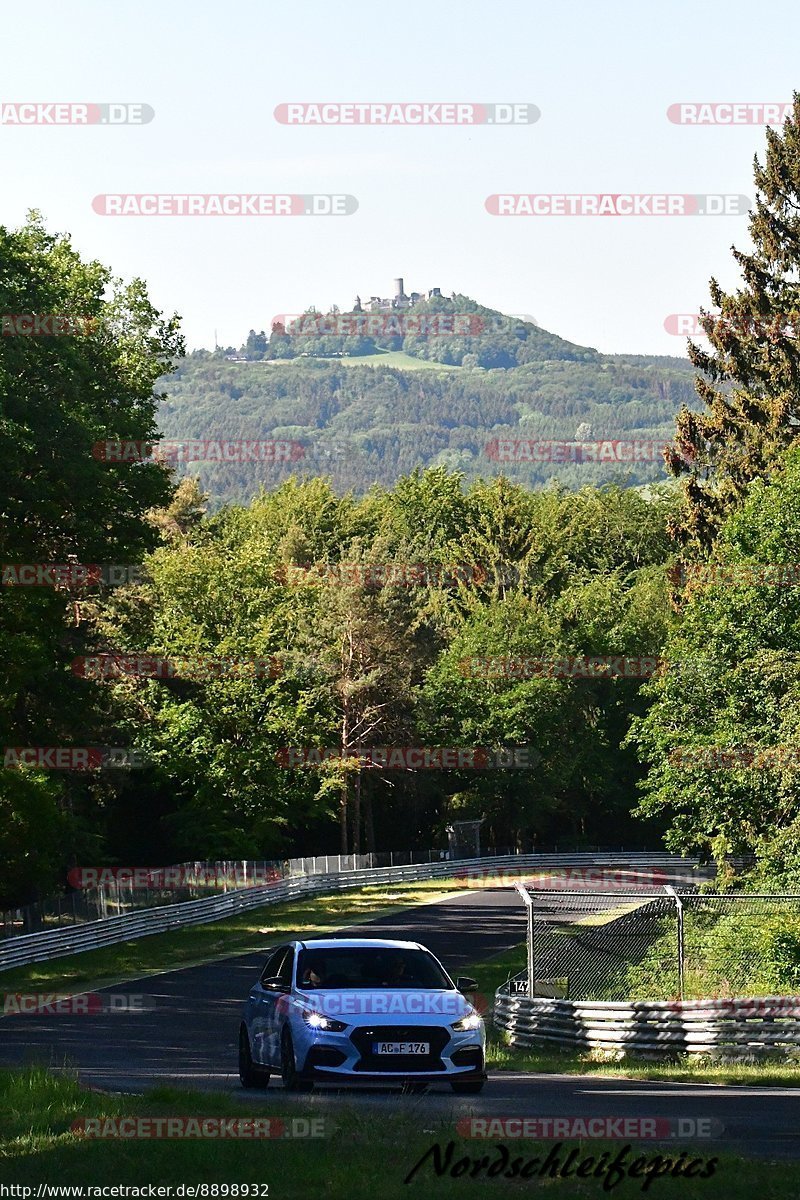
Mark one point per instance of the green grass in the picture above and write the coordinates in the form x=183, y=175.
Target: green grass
x=250, y=931
x=364, y=1155
x=381, y=358
x=398, y=359
x=500, y=1056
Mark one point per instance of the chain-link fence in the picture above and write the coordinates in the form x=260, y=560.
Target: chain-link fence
x=647, y=945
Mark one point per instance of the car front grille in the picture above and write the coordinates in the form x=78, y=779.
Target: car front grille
x=363, y=1040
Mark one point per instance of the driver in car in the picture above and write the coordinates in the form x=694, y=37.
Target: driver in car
x=313, y=976
x=395, y=973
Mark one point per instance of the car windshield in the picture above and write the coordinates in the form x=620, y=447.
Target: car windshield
x=369, y=967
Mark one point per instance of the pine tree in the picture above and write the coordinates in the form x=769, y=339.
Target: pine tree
x=749, y=381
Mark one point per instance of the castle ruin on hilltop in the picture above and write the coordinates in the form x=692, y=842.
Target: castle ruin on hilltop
x=398, y=301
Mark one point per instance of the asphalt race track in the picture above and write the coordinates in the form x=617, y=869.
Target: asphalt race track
x=188, y=1038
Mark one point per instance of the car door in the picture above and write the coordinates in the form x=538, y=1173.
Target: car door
x=262, y=1006
x=277, y=1004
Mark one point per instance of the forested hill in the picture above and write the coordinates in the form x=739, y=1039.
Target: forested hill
x=372, y=418
x=454, y=331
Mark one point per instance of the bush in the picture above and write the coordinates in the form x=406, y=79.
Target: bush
x=738, y=954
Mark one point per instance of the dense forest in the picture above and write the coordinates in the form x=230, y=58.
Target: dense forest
x=261, y=665
x=359, y=424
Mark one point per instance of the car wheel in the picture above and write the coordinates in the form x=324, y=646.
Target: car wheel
x=292, y=1081
x=250, y=1075
x=470, y=1088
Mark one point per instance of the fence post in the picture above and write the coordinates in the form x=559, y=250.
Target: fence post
x=679, y=911
x=531, y=956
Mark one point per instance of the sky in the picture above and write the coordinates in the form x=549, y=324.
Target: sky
x=602, y=76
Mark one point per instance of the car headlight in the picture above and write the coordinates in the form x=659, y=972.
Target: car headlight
x=471, y=1021
x=316, y=1020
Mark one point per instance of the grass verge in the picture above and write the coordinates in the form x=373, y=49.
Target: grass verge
x=364, y=1154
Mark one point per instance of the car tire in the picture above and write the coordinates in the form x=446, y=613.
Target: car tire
x=292, y=1080
x=468, y=1087
x=250, y=1075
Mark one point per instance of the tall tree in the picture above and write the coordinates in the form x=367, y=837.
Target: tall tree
x=750, y=381
x=721, y=738
x=362, y=640
x=65, y=390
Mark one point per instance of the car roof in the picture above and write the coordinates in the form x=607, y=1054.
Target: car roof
x=340, y=943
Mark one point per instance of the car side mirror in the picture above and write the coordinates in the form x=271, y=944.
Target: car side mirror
x=274, y=983
x=465, y=984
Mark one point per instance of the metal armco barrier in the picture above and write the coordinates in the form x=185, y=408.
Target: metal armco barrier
x=731, y=1029
x=74, y=939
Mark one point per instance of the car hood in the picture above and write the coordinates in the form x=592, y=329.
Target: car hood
x=405, y=1006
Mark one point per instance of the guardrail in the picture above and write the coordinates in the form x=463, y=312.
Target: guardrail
x=92, y=935
x=121, y=890
x=100, y=892
x=760, y=1027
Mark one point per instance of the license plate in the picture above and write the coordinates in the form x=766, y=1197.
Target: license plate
x=401, y=1047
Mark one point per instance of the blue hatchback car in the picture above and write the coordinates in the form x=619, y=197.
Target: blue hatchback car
x=341, y=1010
